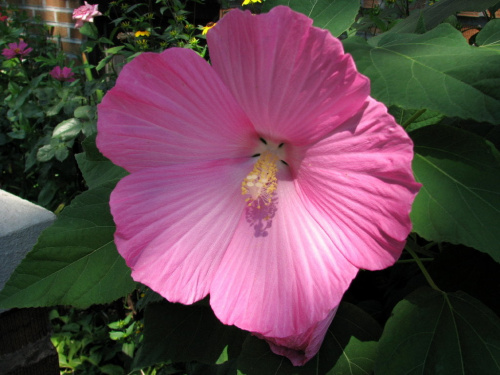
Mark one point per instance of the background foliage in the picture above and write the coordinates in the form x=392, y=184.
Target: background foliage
x=435, y=311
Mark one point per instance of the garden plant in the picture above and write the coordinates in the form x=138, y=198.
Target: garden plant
x=297, y=188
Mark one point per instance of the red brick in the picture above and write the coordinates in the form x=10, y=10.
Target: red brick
x=71, y=48
x=47, y=16
x=38, y=3
x=469, y=32
x=72, y=4
x=64, y=17
x=370, y=3
x=15, y=2
x=55, y=3
x=75, y=34
x=62, y=31
x=29, y=12
x=470, y=14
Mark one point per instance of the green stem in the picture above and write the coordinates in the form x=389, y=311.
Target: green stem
x=423, y=269
x=99, y=94
x=413, y=260
x=23, y=69
x=415, y=116
x=88, y=74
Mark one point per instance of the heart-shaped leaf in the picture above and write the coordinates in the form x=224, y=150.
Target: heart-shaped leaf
x=333, y=15
x=433, y=332
x=460, y=198
x=75, y=261
x=489, y=36
x=437, y=70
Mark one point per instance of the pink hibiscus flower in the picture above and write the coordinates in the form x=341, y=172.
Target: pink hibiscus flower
x=85, y=13
x=19, y=49
x=64, y=75
x=266, y=179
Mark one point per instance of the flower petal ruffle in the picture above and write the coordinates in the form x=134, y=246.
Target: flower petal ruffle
x=279, y=277
x=301, y=348
x=171, y=108
x=358, y=185
x=175, y=223
x=293, y=80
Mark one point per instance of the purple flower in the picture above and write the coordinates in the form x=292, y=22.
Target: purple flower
x=62, y=74
x=17, y=49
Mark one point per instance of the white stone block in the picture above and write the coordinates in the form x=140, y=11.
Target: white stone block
x=21, y=222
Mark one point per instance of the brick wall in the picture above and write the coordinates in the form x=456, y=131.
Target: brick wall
x=57, y=14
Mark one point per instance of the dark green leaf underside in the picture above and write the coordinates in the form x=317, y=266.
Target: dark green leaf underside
x=432, y=332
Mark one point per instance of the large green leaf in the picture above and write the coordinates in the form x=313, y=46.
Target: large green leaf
x=75, y=261
x=460, y=198
x=179, y=333
x=97, y=169
x=437, y=70
x=438, y=12
x=334, y=15
x=349, y=348
x=459, y=267
x=412, y=120
x=489, y=36
x=434, y=332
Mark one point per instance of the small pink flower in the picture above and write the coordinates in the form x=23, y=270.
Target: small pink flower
x=64, y=75
x=2, y=17
x=17, y=50
x=85, y=13
x=266, y=179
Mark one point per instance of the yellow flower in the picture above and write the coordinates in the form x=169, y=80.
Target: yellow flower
x=246, y=2
x=205, y=29
x=142, y=33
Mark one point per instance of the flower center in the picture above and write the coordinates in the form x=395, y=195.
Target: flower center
x=261, y=183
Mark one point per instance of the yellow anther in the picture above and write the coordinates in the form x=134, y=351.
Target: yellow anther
x=261, y=183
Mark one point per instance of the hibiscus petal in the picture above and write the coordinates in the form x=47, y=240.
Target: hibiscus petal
x=301, y=348
x=169, y=108
x=280, y=276
x=174, y=224
x=358, y=184
x=293, y=80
